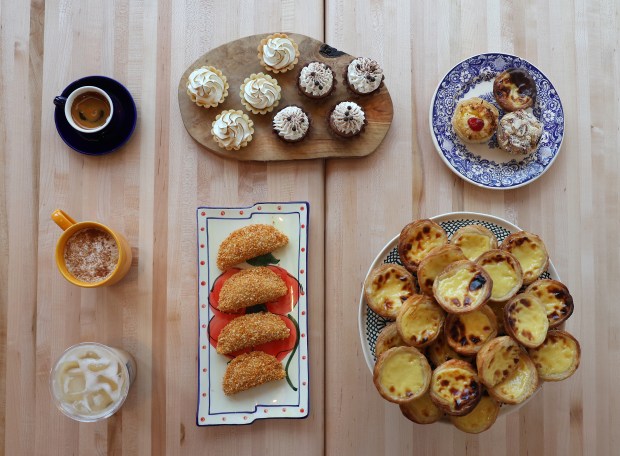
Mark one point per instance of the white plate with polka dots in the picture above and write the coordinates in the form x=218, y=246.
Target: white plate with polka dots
x=287, y=398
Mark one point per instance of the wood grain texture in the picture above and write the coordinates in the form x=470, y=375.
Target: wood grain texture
x=238, y=59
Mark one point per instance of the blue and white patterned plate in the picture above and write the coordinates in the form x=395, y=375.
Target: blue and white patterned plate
x=486, y=165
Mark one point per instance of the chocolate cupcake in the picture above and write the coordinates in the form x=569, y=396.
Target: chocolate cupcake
x=291, y=124
x=316, y=80
x=347, y=119
x=363, y=76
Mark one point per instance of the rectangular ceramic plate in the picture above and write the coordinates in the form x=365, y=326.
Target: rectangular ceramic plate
x=287, y=398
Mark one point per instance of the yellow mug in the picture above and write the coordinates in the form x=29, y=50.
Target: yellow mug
x=71, y=227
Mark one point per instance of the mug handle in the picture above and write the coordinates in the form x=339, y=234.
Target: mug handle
x=60, y=101
x=62, y=219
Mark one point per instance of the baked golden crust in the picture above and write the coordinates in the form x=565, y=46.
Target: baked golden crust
x=525, y=320
x=505, y=271
x=435, y=262
x=455, y=387
x=480, y=418
x=466, y=333
x=416, y=241
x=530, y=251
x=251, y=330
x=247, y=243
x=497, y=359
x=558, y=357
x=401, y=374
x=421, y=410
x=462, y=287
x=249, y=370
x=474, y=240
x=439, y=352
x=420, y=321
x=498, y=310
x=520, y=384
x=250, y=287
x=388, y=338
x=514, y=89
x=386, y=288
x=555, y=297
x=478, y=110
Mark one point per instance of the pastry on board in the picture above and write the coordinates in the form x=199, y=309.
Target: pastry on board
x=316, y=80
x=475, y=120
x=260, y=93
x=291, y=124
x=278, y=53
x=207, y=86
x=363, y=76
x=417, y=239
x=247, y=243
x=232, y=129
x=347, y=119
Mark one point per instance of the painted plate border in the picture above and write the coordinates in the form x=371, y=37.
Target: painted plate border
x=391, y=246
x=473, y=168
x=207, y=385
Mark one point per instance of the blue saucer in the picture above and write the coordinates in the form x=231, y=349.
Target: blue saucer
x=116, y=134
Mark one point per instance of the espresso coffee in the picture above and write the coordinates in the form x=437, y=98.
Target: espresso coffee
x=91, y=255
x=90, y=110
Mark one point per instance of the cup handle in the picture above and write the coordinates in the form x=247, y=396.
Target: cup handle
x=62, y=219
x=60, y=101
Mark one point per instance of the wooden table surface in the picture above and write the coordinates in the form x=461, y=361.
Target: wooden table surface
x=149, y=190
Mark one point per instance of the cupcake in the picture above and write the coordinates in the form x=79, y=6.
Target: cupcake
x=232, y=129
x=316, y=80
x=260, y=93
x=519, y=133
x=278, y=53
x=207, y=86
x=347, y=119
x=475, y=120
x=291, y=124
x=363, y=76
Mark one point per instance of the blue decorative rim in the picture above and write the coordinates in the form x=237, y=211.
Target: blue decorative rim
x=472, y=167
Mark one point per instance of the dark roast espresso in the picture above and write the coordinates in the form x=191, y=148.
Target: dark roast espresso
x=90, y=110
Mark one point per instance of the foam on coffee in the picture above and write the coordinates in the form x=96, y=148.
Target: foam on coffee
x=91, y=255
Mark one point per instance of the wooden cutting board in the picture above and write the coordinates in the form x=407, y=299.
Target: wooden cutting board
x=238, y=59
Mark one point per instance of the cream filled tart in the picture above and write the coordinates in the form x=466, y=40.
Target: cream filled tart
x=388, y=338
x=420, y=320
x=475, y=120
x=363, y=76
x=402, y=374
x=480, y=418
x=435, y=262
x=558, y=357
x=291, y=124
x=505, y=271
x=316, y=80
x=347, y=119
x=519, y=133
x=520, y=383
x=207, y=86
x=421, y=410
x=416, y=241
x=462, y=287
x=232, y=129
x=525, y=320
x=466, y=333
x=260, y=93
x=386, y=288
x=555, y=297
x=474, y=240
x=278, y=53
x=531, y=252
x=497, y=359
x=514, y=89
x=455, y=387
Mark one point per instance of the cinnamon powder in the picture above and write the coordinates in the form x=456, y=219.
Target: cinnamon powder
x=91, y=255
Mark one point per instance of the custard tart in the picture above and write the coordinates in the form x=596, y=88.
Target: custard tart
x=497, y=359
x=435, y=262
x=388, y=338
x=466, y=333
x=474, y=240
x=505, y=271
x=480, y=418
x=416, y=241
x=531, y=252
x=386, y=288
x=525, y=320
x=520, y=384
x=455, y=387
x=421, y=410
x=555, y=297
x=475, y=120
x=514, y=89
x=420, y=320
x=462, y=287
x=439, y=352
x=402, y=374
x=498, y=310
x=558, y=357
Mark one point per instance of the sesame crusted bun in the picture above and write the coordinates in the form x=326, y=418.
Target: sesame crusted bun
x=250, y=287
x=251, y=369
x=247, y=243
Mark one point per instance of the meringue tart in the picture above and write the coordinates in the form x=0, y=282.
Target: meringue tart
x=474, y=240
x=531, y=252
x=420, y=320
x=462, y=287
x=388, y=338
x=558, y=357
x=520, y=384
x=514, y=89
x=555, y=297
x=525, y=320
x=505, y=271
x=497, y=359
x=386, y=288
x=435, y=262
x=480, y=418
x=416, y=241
x=455, y=387
x=466, y=333
x=421, y=410
x=401, y=374
x=439, y=352
x=475, y=120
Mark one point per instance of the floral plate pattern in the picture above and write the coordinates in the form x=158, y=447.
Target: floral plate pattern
x=485, y=165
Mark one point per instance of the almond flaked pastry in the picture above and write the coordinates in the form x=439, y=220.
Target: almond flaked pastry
x=555, y=297
x=455, y=387
x=474, y=240
x=388, y=338
x=520, y=384
x=505, y=271
x=497, y=359
x=417, y=239
x=435, y=262
x=530, y=251
x=558, y=357
x=386, y=288
x=402, y=374
x=525, y=320
x=421, y=410
x=466, y=333
x=420, y=320
x=462, y=287
x=247, y=243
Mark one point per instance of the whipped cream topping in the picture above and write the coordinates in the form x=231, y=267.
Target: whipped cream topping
x=348, y=118
x=364, y=74
x=261, y=92
x=206, y=88
x=279, y=53
x=232, y=129
x=291, y=123
x=316, y=78
x=519, y=132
